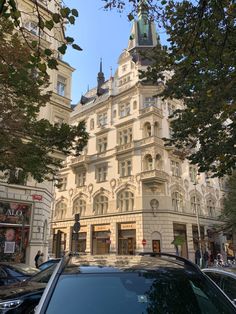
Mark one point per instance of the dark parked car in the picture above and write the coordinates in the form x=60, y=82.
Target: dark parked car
x=225, y=279
x=22, y=298
x=49, y=263
x=148, y=283
x=15, y=272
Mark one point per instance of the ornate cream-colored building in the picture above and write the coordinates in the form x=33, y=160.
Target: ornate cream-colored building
x=25, y=210
x=131, y=191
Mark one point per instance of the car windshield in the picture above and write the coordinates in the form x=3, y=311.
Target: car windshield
x=164, y=291
x=44, y=275
x=24, y=269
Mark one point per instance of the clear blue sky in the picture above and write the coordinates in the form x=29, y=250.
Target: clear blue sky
x=101, y=34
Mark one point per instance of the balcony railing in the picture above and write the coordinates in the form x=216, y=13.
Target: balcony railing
x=151, y=109
x=150, y=140
x=124, y=147
x=77, y=160
x=155, y=174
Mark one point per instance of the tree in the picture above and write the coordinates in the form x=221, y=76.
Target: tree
x=50, y=23
x=29, y=146
x=201, y=59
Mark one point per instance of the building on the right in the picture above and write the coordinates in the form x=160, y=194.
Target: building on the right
x=132, y=192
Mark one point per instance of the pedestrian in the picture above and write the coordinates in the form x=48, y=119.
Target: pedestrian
x=40, y=259
x=197, y=257
x=206, y=258
x=37, y=258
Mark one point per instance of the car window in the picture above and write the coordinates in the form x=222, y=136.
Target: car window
x=46, y=265
x=23, y=269
x=44, y=275
x=216, y=277
x=229, y=286
x=137, y=293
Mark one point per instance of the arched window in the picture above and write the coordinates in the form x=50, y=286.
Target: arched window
x=155, y=129
x=100, y=204
x=148, y=162
x=125, y=201
x=60, y=210
x=195, y=204
x=158, y=162
x=147, y=129
x=91, y=124
x=177, y=201
x=211, y=207
x=79, y=206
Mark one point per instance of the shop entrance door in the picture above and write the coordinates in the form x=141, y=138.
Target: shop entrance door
x=156, y=246
x=101, y=246
x=126, y=246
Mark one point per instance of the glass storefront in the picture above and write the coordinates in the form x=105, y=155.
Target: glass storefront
x=81, y=240
x=14, y=231
x=180, y=240
x=59, y=243
x=126, y=239
x=101, y=239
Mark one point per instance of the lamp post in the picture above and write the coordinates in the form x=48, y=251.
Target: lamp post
x=198, y=224
x=76, y=229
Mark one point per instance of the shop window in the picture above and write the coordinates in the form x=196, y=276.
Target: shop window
x=80, y=178
x=195, y=204
x=61, y=85
x=125, y=136
x=125, y=168
x=211, y=207
x=126, y=240
x=101, y=173
x=100, y=204
x=102, y=144
x=125, y=201
x=60, y=210
x=148, y=162
x=79, y=206
x=180, y=240
x=177, y=201
x=175, y=168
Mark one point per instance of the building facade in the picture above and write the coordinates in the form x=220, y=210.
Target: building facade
x=133, y=193
x=25, y=210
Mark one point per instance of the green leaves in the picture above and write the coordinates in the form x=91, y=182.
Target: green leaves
x=75, y=46
x=62, y=49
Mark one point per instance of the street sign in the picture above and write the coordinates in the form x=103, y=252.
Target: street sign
x=37, y=197
x=144, y=242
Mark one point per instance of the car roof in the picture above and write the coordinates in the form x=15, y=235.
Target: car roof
x=229, y=271
x=112, y=262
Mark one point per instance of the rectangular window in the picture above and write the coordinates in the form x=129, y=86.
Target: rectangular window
x=101, y=173
x=193, y=174
x=149, y=101
x=61, y=85
x=62, y=183
x=124, y=110
x=80, y=178
x=102, y=119
x=175, y=168
x=125, y=136
x=102, y=144
x=125, y=167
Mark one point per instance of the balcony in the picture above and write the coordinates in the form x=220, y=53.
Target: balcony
x=151, y=109
x=150, y=140
x=125, y=147
x=153, y=176
x=75, y=161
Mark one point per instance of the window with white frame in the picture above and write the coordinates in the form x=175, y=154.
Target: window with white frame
x=125, y=201
x=32, y=27
x=100, y=204
x=125, y=167
x=102, y=144
x=79, y=206
x=211, y=207
x=60, y=210
x=177, y=201
x=102, y=119
x=125, y=136
x=193, y=173
x=149, y=101
x=80, y=177
x=62, y=183
x=175, y=168
x=101, y=173
x=61, y=85
x=195, y=204
x=124, y=110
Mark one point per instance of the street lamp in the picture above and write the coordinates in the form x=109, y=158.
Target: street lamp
x=197, y=216
x=76, y=229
